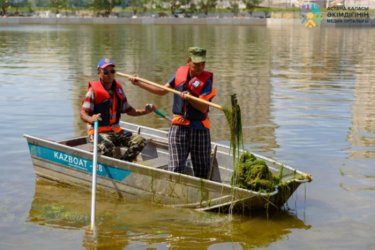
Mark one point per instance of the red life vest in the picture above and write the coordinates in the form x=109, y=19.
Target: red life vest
x=184, y=112
x=108, y=106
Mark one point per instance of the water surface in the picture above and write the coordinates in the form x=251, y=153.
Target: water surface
x=307, y=99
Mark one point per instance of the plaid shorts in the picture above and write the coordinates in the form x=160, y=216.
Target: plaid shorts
x=184, y=140
x=109, y=142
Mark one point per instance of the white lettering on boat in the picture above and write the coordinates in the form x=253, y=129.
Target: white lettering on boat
x=71, y=160
x=99, y=167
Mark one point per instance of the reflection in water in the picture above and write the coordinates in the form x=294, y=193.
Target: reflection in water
x=128, y=223
x=326, y=81
x=358, y=172
x=306, y=97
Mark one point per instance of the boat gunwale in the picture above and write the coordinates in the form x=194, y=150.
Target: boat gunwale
x=220, y=146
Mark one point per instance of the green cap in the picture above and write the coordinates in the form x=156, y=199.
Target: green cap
x=197, y=54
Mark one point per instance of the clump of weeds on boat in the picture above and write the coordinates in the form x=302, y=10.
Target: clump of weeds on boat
x=253, y=174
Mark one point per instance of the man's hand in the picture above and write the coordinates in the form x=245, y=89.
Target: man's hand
x=150, y=108
x=184, y=95
x=96, y=117
x=133, y=79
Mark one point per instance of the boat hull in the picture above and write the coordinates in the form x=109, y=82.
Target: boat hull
x=70, y=162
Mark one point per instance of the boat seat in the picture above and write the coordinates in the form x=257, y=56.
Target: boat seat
x=90, y=147
x=214, y=172
x=87, y=147
x=149, y=151
x=159, y=162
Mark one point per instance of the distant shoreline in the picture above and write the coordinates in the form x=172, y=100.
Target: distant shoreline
x=172, y=21
x=137, y=20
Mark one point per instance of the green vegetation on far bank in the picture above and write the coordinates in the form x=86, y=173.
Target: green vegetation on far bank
x=155, y=8
x=181, y=8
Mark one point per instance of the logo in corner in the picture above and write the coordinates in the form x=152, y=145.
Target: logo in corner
x=311, y=15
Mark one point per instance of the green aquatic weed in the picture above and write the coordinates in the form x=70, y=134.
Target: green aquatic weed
x=233, y=116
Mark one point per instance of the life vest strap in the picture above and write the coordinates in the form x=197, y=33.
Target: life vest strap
x=114, y=128
x=180, y=120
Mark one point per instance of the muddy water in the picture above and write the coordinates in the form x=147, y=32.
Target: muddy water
x=306, y=97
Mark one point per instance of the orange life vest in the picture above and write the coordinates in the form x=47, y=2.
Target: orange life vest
x=108, y=106
x=183, y=111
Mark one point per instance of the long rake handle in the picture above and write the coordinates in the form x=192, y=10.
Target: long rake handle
x=217, y=106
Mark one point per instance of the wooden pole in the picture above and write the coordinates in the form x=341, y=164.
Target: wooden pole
x=214, y=105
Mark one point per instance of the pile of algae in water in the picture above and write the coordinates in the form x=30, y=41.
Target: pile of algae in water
x=253, y=174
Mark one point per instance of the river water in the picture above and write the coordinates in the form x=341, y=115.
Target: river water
x=307, y=99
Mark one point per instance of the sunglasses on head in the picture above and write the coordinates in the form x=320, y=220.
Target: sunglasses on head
x=106, y=72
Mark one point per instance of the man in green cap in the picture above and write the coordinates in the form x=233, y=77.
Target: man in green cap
x=190, y=130
x=197, y=54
